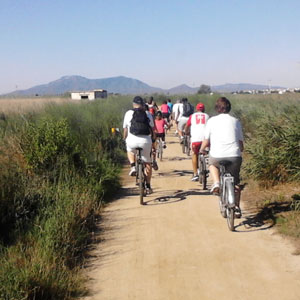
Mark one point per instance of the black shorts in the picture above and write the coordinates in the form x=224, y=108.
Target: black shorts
x=165, y=115
x=160, y=135
x=234, y=168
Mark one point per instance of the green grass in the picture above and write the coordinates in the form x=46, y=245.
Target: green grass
x=58, y=166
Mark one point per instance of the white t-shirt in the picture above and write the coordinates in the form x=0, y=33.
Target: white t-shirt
x=197, y=121
x=224, y=133
x=180, y=112
x=131, y=138
x=175, y=110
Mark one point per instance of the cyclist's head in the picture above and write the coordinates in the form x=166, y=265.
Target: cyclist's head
x=158, y=115
x=169, y=100
x=138, y=101
x=184, y=100
x=150, y=100
x=223, y=106
x=200, y=107
x=165, y=102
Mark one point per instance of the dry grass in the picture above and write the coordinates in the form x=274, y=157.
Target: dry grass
x=23, y=105
x=273, y=206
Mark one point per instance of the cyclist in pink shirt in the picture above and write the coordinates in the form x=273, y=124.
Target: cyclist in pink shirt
x=165, y=109
x=159, y=130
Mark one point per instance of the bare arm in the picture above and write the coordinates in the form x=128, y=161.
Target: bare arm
x=125, y=133
x=204, y=145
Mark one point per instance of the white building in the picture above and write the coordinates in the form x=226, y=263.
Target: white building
x=92, y=95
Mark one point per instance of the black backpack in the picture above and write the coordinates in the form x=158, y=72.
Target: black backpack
x=188, y=109
x=139, y=123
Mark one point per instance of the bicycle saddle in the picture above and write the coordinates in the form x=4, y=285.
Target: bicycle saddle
x=225, y=162
x=139, y=148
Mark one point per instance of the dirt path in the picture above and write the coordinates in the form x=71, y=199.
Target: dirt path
x=182, y=248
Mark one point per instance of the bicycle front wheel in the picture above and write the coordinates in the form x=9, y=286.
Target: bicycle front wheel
x=141, y=183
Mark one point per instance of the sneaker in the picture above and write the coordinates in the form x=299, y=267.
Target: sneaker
x=195, y=178
x=149, y=190
x=215, y=189
x=154, y=165
x=237, y=212
x=132, y=171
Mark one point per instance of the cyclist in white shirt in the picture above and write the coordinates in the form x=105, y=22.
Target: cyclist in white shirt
x=225, y=136
x=175, y=112
x=196, y=126
x=185, y=109
x=135, y=139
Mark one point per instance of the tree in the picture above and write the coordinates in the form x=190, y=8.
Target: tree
x=204, y=89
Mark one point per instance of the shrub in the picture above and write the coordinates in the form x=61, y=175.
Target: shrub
x=274, y=149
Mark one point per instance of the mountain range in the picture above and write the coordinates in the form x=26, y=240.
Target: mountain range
x=122, y=85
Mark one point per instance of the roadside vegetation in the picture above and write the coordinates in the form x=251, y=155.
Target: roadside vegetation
x=59, y=164
x=57, y=167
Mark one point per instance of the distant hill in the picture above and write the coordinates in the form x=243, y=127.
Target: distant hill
x=122, y=85
x=182, y=89
x=235, y=87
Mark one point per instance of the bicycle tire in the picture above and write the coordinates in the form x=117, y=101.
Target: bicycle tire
x=188, y=146
x=204, y=175
x=183, y=146
x=222, y=208
x=141, y=183
x=200, y=173
x=230, y=218
x=229, y=190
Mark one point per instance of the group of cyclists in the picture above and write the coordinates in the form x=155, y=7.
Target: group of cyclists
x=221, y=134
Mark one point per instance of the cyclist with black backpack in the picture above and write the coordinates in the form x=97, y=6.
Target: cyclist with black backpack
x=138, y=132
x=185, y=110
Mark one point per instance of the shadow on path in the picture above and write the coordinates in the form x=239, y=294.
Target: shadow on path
x=263, y=219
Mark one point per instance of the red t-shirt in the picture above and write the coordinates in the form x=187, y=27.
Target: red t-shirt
x=160, y=125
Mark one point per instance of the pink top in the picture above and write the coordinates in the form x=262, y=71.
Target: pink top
x=164, y=108
x=159, y=124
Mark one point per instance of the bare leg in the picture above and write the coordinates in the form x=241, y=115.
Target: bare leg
x=195, y=163
x=131, y=157
x=214, y=172
x=148, y=172
x=237, y=194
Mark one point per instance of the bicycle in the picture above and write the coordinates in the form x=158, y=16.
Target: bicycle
x=203, y=170
x=227, y=197
x=186, y=145
x=140, y=175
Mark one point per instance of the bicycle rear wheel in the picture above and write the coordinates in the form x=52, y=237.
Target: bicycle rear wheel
x=188, y=146
x=183, y=145
x=230, y=218
x=229, y=192
x=141, y=183
x=204, y=173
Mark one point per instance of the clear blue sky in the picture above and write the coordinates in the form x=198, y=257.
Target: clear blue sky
x=163, y=43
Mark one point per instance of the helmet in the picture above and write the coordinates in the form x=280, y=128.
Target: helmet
x=200, y=107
